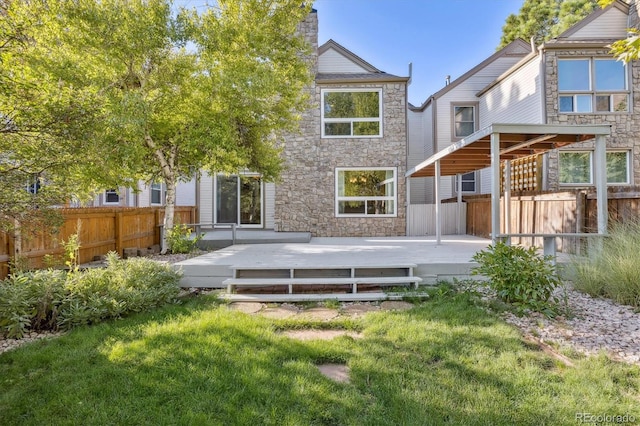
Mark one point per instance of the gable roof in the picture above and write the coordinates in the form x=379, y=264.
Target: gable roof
x=618, y=5
x=359, y=70
x=518, y=47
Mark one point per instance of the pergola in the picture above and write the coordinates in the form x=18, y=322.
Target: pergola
x=504, y=142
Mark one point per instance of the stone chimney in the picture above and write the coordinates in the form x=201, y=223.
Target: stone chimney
x=309, y=30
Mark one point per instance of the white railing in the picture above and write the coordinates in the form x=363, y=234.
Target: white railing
x=421, y=219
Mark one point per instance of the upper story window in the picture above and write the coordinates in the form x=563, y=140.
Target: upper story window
x=351, y=113
x=592, y=85
x=464, y=120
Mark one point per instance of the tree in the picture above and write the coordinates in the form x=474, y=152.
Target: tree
x=173, y=93
x=544, y=19
x=42, y=131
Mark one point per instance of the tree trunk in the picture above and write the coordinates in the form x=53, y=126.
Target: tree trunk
x=169, y=212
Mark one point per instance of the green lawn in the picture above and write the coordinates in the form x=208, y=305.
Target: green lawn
x=444, y=362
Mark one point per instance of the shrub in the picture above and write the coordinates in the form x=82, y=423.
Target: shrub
x=54, y=299
x=520, y=276
x=611, y=267
x=179, y=239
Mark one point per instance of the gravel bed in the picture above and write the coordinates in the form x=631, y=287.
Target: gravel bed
x=594, y=325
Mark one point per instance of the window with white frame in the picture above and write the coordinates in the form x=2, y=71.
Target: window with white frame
x=351, y=113
x=468, y=182
x=156, y=193
x=464, y=120
x=366, y=192
x=592, y=85
x=576, y=168
x=111, y=196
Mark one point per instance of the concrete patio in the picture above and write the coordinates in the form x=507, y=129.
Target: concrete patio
x=430, y=261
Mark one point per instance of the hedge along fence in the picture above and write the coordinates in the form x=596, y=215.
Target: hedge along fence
x=100, y=230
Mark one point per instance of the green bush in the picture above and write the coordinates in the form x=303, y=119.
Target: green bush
x=179, y=239
x=520, y=276
x=611, y=267
x=53, y=299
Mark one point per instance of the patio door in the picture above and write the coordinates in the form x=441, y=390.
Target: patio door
x=239, y=200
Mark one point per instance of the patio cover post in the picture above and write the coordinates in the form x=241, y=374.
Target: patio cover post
x=507, y=197
x=495, y=186
x=407, y=202
x=459, y=209
x=601, y=182
x=438, y=210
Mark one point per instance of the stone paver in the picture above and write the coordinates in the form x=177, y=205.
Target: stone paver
x=335, y=372
x=246, y=307
x=359, y=309
x=319, y=314
x=279, y=312
x=320, y=334
x=395, y=305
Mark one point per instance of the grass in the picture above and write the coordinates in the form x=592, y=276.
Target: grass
x=610, y=269
x=444, y=362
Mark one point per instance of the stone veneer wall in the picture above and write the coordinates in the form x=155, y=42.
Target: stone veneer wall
x=305, y=193
x=625, y=130
x=305, y=196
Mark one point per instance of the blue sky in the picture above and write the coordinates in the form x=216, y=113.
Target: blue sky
x=440, y=37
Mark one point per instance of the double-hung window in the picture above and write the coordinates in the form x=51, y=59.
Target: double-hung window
x=366, y=192
x=468, y=182
x=576, y=168
x=464, y=120
x=351, y=113
x=592, y=85
x=156, y=193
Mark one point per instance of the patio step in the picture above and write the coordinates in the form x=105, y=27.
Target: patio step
x=340, y=297
x=327, y=276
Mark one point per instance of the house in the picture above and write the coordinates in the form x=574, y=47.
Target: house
x=344, y=171
x=570, y=80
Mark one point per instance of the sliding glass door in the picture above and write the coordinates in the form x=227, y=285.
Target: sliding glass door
x=239, y=200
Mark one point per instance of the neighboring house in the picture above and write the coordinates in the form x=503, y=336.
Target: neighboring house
x=572, y=79
x=451, y=114
x=145, y=196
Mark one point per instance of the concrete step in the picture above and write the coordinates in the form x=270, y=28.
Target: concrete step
x=319, y=281
x=341, y=297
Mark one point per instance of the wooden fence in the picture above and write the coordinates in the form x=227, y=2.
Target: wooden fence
x=552, y=212
x=100, y=231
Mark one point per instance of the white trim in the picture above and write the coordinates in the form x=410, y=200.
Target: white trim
x=378, y=119
x=393, y=198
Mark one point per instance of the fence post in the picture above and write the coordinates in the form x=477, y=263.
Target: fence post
x=119, y=231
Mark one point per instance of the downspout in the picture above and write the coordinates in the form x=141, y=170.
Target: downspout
x=543, y=109
x=434, y=130
x=407, y=179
